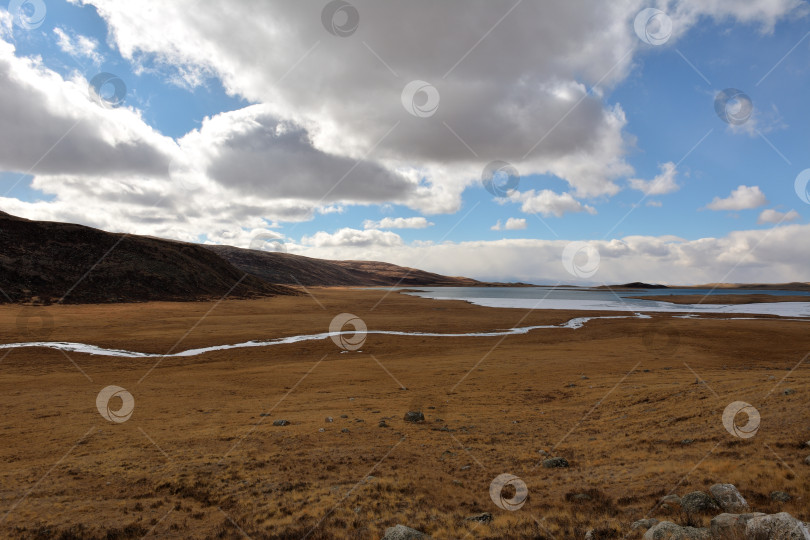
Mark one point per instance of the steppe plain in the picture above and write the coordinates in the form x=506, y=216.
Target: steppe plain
x=634, y=405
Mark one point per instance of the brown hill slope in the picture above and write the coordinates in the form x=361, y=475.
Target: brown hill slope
x=49, y=260
x=296, y=269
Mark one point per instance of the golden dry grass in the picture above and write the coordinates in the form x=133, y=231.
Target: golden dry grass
x=198, y=459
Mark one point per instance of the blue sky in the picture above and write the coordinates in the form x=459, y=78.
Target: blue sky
x=668, y=107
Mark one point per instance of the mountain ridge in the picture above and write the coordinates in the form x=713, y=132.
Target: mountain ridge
x=49, y=261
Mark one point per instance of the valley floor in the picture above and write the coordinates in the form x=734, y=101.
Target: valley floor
x=634, y=405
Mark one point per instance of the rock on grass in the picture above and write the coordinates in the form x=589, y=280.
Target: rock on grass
x=697, y=502
x=666, y=530
x=414, y=416
x=780, y=526
x=729, y=498
x=555, y=463
x=401, y=532
x=731, y=525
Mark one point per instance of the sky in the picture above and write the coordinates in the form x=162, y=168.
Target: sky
x=568, y=142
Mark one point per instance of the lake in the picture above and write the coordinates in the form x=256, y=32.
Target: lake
x=603, y=300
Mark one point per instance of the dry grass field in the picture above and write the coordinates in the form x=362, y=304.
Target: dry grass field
x=634, y=405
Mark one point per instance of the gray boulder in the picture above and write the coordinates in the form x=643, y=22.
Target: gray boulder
x=281, y=422
x=697, y=502
x=729, y=498
x=555, y=463
x=731, y=525
x=780, y=526
x=401, y=532
x=807, y=460
x=644, y=524
x=666, y=530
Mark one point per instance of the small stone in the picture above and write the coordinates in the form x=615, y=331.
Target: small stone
x=329, y=419
x=555, y=463
x=486, y=517
x=807, y=460
x=414, y=416
x=344, y=415
x=789, y=391
x=466, y=468
x=780, y=496
x=543, y=453
x=581, y=497
x=382, y=423
x=321, y=430
x=401, y=532
x=281, y=422
x=344, y=430
x=687, y=441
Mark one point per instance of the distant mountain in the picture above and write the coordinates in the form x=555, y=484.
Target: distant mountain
x=794, y=286
x=633, y=285
x=299, y=270
x=42, y=261
x=46, y=261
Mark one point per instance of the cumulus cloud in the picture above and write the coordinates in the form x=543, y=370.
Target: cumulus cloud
x=512, y=224
x=345, y=238
x=504, y=110
x=51, y=126
x=774, y=216
x=253, y=152
x=548, y=203
x=398, y=223
x=327, y=127
x=77, y=45
x=660, y=185
x=763, y=255
x=742, y=198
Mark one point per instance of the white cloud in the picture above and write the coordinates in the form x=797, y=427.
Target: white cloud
x=327, y=128
x=40, y=108
x=660, y=185
x=742, y=198
x=499, y=108
x=548, y=203
x=398, y=223
x=774, y=216
x=512, y=224
x=353, y=238
x=753, y=256
x=78, y=46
